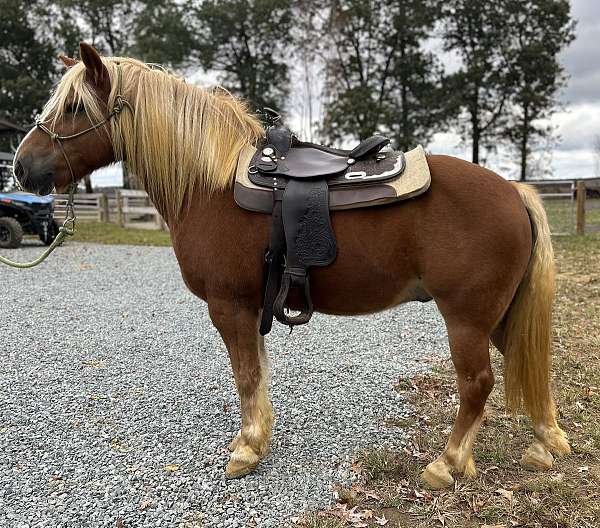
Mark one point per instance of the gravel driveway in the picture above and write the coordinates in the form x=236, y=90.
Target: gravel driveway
x=117, y=399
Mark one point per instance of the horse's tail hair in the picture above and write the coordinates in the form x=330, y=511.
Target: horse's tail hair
x=527, y=336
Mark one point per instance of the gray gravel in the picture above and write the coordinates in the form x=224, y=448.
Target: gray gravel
x=111, y=372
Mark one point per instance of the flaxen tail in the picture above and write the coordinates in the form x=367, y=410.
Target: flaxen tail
x=528, y=323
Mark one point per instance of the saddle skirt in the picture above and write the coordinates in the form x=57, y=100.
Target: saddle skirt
x=401, y=185
x=298, y=184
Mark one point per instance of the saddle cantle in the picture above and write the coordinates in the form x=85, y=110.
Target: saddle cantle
x=298, y=183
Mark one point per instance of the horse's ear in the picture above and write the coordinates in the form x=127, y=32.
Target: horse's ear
x=67, y=61
x=96, y=72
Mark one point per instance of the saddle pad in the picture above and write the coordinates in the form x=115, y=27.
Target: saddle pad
x=414, y=180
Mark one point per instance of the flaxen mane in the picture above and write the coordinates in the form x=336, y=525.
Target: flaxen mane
x=178, y=138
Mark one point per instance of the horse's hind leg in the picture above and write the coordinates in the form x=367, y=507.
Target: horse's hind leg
x=238, y=327
x=470, y=354
x=549, y=437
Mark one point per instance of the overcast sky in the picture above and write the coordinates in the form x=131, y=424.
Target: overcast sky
x=577, y=125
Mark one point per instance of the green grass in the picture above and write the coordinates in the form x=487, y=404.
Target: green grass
x=562, y=215
x=100, y=233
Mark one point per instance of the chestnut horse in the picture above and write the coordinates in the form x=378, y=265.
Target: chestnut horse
x=476, y=244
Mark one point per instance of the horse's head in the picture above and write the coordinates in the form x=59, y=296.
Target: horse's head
x=73, y=135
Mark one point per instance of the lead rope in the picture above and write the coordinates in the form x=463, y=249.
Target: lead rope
x=66, y=230
x=68, y=227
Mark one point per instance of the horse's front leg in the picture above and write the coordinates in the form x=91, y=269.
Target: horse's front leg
x=238, y=326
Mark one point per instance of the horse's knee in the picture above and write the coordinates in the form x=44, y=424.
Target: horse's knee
x=476, y=387
x=485, y=380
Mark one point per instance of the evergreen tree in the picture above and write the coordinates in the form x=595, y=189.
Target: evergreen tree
x=162, y=34
x=379, y=77
x=478, y=32
x=539, y=31
x=27, y=65
x=248, y=43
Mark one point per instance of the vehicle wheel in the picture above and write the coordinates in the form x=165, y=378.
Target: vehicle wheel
x=50, y=234
x=11, y=232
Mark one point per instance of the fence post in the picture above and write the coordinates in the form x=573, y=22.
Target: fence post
x=120, y=215
x=581, y=207
x=104, y=211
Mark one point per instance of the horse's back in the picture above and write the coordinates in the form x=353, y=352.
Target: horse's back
x=469, y=227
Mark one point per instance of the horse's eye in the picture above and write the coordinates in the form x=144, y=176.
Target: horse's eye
x=74, y=108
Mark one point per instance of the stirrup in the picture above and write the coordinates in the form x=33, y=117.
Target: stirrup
x=293, y=279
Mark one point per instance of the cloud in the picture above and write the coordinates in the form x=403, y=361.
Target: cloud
x=577, y=126
x=581, y=59
x=574, y=164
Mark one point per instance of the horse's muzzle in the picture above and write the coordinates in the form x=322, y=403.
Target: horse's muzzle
x=34, y=177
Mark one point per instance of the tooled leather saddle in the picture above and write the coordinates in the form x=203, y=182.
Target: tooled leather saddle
x=300, y=176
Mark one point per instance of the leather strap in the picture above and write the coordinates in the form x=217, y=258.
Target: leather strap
x=273, y=264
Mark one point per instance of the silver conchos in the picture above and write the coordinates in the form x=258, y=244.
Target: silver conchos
x=268, y=151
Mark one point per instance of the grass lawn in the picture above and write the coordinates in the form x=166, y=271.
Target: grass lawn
x=562, y=215
x=101, y=233
x=388, y=491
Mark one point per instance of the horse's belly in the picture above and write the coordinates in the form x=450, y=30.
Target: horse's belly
x=374, y=269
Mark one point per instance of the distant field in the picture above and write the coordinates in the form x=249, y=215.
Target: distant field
x=562, y=215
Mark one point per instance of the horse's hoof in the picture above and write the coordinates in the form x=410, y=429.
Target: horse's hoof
x=236, y=440
x=437, y=475
x=241, y=462
x=537, y=457
x=556, y=442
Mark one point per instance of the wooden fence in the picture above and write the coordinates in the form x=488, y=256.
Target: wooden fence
x=585, y=206
x=566, y=202
x=128, y=208
x=134, y=209
x=559, y=201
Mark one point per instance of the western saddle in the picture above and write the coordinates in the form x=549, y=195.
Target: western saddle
x=300, y=177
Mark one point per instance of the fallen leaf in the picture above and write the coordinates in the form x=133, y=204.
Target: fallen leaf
x=145, y=504
x=491, y=468
x=505, y=493
x=381, y=521
x=171, y=468
x=371, y=495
